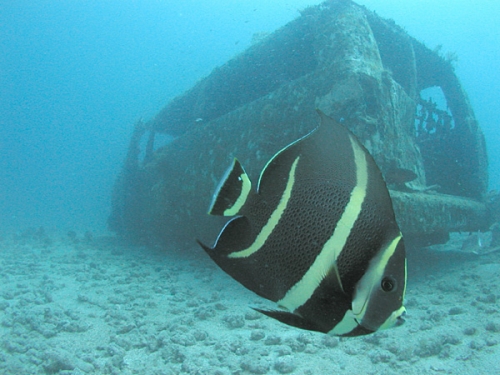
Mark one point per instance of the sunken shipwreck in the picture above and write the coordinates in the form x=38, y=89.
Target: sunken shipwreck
x=358, y=68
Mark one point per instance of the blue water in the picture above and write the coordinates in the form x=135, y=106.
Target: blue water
x=76, y=75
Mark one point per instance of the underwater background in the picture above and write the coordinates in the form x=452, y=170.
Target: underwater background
x=74, y=78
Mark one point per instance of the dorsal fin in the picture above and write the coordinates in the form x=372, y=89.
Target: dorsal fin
x=232, y=192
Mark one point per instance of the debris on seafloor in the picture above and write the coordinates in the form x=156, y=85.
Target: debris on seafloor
x=473, y=243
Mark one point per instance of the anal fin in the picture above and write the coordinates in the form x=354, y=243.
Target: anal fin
x=291, y=319
x=235, y=235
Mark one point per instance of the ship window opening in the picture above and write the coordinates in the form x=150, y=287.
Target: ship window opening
x=433, y=117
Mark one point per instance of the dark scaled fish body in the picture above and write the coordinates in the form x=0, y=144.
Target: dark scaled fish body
x=318, y=237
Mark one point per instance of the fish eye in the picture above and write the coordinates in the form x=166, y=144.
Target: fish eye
x=388, y=284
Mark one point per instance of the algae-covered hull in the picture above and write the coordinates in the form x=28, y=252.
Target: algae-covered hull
x=356, y=67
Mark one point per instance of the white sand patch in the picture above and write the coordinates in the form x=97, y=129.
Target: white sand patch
x=100, y=307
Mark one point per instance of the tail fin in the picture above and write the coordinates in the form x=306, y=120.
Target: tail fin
x=232, y=192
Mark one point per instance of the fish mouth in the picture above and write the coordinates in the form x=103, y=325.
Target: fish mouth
x=400, y=320
x=396, y=319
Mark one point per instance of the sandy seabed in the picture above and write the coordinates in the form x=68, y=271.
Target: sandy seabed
x=70, y=305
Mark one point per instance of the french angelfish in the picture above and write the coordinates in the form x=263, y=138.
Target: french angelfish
x=318, y=236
